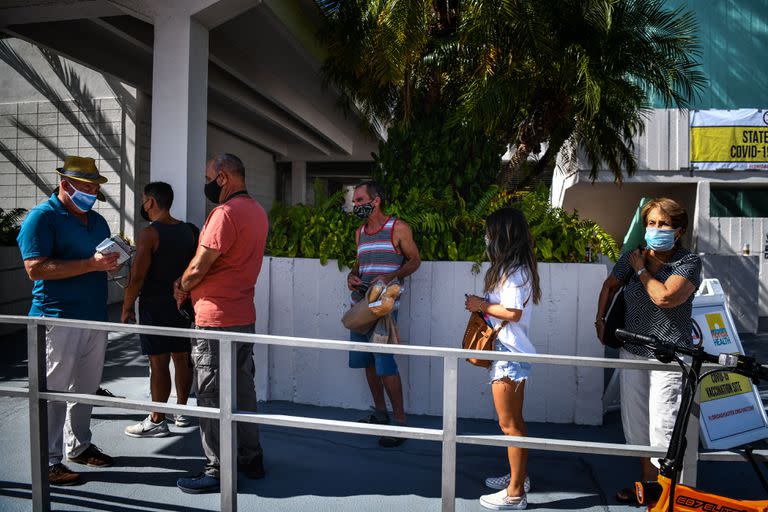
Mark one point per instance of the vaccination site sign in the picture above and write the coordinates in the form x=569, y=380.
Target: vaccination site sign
x=730, y=408
x=729, y=139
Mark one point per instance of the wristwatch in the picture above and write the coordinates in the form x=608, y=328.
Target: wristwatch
x=640, y=272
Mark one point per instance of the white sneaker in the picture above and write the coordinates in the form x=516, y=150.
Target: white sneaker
x=502, y=482
x=500, y=501
x=147, y=428
x=181, y=421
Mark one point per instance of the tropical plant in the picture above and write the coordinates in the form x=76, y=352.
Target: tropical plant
x=555, y=69
x=536, y=73
x=387, y=56
x=431, y=154
x=444, y=227
x=10, y=221
x=323, y=231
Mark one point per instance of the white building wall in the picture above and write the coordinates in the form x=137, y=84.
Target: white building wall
x=664, y=144
x=728, y=235
x=299, y=297
x=45, y=115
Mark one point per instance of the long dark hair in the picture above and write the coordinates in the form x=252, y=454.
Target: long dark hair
x=510, y=247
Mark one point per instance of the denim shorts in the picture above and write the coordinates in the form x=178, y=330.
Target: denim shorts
x=516, y=372
x=384, y=363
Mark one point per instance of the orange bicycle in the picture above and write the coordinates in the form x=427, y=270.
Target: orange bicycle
x=666, y=494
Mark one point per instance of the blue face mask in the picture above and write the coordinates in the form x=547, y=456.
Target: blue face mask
x=82, y=201
x=660, y=239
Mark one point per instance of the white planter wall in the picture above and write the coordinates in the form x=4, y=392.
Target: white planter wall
x=300, y=297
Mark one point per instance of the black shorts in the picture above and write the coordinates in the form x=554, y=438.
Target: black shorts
x=162, y=312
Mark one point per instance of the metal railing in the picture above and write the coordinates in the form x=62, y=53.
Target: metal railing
x=228, y=415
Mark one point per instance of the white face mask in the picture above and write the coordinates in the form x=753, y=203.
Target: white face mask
x=487, y=241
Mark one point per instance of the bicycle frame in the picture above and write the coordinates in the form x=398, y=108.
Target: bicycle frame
x=665, y=494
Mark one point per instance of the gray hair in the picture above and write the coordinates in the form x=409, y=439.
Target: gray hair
x=228, y=164
x=373, y=189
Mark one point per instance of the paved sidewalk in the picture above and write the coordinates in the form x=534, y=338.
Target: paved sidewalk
x=317, y=471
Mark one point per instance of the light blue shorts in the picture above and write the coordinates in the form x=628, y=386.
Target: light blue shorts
x=514, y=371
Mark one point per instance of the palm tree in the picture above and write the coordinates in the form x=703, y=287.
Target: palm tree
x=387, y=55
x=537, y=73
x=586, y=70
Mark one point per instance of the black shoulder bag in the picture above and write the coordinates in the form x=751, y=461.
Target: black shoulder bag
x=615, y=319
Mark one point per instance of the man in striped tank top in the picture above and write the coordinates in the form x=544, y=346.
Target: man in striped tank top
x=385, y=250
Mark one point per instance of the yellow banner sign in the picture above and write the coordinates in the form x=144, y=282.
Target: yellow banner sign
x=729, y=139
x=724, y=384
x=729, y=144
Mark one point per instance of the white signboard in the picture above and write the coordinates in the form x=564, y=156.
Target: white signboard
x=731, y=412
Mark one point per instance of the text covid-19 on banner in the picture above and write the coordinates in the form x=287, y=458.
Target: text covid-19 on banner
x=729, y=139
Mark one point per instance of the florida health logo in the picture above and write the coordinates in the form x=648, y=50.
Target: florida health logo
x=717, y=328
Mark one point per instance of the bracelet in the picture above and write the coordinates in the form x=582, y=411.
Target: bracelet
x=481, y=310
x=640, y=272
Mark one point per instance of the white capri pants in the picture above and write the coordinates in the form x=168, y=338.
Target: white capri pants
x=649, y=404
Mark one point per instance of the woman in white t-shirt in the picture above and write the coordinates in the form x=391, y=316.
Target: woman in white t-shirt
x=511, y=289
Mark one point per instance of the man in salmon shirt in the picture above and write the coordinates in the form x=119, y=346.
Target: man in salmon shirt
x=221, y=279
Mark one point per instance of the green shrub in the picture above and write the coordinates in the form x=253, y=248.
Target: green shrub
x=9, y=225
x=323, y=231
x=445, y=228
x=430, y=153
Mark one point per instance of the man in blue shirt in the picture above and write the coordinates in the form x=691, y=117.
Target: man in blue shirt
x=58, y=242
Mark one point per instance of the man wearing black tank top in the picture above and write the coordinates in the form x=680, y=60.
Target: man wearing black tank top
x=163, y=251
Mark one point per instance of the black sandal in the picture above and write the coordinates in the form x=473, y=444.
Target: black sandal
x=627, y=495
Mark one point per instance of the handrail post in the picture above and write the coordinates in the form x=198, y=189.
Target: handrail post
x=38, y=416
x=688, y=473
x=450, y=379
x=227, y=428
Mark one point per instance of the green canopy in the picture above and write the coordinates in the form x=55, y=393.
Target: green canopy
x=636, y=232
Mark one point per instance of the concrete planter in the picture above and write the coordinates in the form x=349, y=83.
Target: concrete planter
x=300, y=297
x=15, y=286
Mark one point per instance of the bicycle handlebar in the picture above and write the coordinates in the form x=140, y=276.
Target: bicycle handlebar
x=665, y=352
x=745, y=365
x=633, y=337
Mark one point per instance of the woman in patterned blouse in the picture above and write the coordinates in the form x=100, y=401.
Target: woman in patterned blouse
x=659, y=285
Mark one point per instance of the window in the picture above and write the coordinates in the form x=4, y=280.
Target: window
x=738, y=202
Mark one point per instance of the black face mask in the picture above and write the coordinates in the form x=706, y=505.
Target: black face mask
x=363, y=211
x=145, y=215
x=213, y=191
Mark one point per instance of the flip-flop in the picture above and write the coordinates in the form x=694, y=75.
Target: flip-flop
x=626, y=495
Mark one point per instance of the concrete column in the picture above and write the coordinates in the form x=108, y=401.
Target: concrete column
x=298, y=182
x=128, y=192
x=180, y=112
